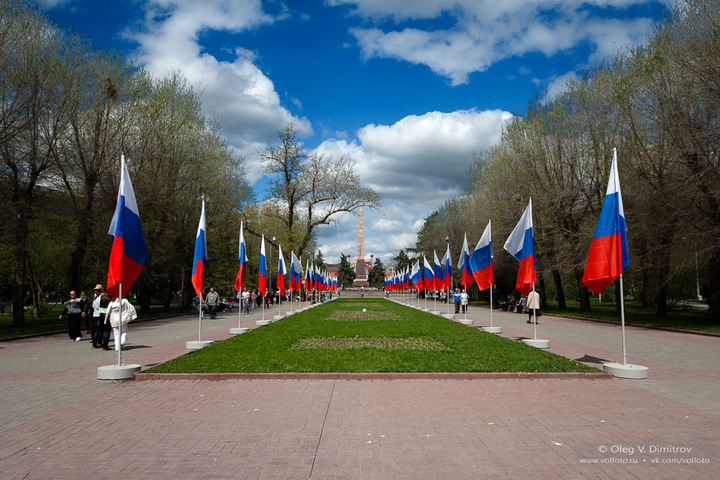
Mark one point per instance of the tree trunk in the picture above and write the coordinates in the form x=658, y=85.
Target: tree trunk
x=559, y=291
x=543, y=297
x=713, y=290
x=583, y=294
x=18, y=288
x=77, y=257
x=619, y=297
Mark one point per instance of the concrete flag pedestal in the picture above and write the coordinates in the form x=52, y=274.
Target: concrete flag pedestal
x=197, y=344
x=465, y=321
x=435, y=312
x=238, y=330
x=536, y=342
x=496, y=330
x=278, y=317
x=627, y=370
x=262, y=323
x=117, y=372
x=449, y=316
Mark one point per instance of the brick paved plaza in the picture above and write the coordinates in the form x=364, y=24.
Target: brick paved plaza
x=60, y=422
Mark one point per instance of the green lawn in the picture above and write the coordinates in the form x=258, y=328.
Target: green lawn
x=406, y=341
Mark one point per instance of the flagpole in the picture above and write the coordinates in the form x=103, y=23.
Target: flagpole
x=117, y=340
x=491, y=305
x=622, y=319
x=200, y=313
x=534, y=314
x=240, y=307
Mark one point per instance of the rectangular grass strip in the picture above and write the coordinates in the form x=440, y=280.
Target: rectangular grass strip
x=355, y=315
x=381, y=343
x=445, y=346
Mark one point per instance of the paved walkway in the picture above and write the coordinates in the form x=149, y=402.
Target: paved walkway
x=58, y=421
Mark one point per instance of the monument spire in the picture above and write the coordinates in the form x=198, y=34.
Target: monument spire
x=360, y=277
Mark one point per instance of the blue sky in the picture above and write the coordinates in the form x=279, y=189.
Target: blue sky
x=409, y=89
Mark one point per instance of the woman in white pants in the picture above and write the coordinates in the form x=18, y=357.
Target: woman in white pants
x=119, y=326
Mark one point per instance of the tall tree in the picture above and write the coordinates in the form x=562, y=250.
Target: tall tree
x=37, y=89
x=346, y=275
x=377, y=274
x=310, y=189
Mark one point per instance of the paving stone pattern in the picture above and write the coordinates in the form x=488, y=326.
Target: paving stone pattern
x=59, y=422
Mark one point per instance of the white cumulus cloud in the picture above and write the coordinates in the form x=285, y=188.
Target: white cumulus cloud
x=236, y=92
x=488, y=31
x=416, y=164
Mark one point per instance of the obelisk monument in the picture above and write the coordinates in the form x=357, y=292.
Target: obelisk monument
x=360, y=277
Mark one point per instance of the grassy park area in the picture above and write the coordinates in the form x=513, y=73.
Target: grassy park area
x=368, y=335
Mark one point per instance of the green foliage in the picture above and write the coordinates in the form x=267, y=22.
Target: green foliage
x=346, y=275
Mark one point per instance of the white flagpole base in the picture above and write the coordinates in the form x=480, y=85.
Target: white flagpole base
x=115, y=372
x=197, y=344
x=238, y=330
x=278, y=317
x=537, y=343
x=465, y=321
x=262, y=323
x=449, y=316
x=492, y=329
x=435, y=312
x=637, y=372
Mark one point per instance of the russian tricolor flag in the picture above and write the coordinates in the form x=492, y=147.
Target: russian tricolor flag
x=448, y=269
x=262, y=279
x=281, y=271
x=608, y=255
x=520, y=246
x=481, y=261
x=295, y=273
x=200, y=256
x=464, y=265
x=415, y=276
x=309, y=276
x=242, y=260
x=439, y=275
x=428, y=274
x=128, y=254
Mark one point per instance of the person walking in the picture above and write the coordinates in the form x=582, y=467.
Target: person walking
x=456, y=300
x=74, y=310
x=92, y=310
x=211, y=300
x=120, y=325
x=533, y=306
x=464, y=299
x=105, y=328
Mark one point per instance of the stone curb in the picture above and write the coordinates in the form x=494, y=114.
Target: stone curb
x=377, y=376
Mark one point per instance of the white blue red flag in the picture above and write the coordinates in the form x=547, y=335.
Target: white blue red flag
x=520, y=245
x=281, y=271
x=128, y=254
x=464, y=265
x=262, y=270
x=448, y=269
x=309, y=276
x=481, y=261
x=200, y=255
x=608, y=256
x=428, y=274
x=415, y=276
x=296, y=272
x=242, y=260
x=439, y=274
